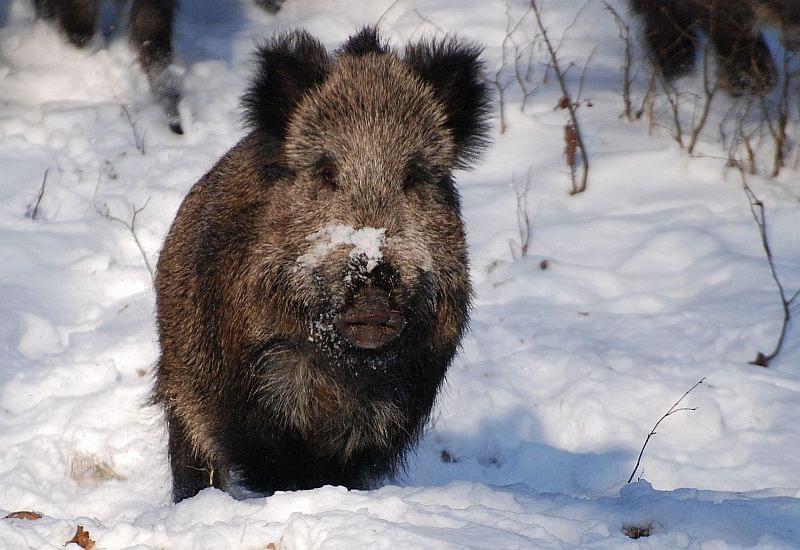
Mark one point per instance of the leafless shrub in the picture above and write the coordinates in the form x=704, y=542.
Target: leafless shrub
x=130, y=226
x=626, y=75
x=572, y=132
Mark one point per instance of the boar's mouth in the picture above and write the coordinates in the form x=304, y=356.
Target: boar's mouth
x=370, y=323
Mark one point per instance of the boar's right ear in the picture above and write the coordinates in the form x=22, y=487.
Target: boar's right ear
x=455, y=72
x=288, y=66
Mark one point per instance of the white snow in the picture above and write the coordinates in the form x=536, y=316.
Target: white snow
x=655, y=278
x=364, y=243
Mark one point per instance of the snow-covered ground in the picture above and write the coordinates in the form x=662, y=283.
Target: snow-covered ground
x=628, y=294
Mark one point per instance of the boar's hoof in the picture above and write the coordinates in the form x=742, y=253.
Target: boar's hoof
x=370, y=323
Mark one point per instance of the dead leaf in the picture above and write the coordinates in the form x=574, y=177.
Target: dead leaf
x=638, y=531
x=81, y=538
x=24, y=514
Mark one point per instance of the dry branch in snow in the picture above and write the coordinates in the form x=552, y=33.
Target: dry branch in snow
x=760, y=216
x=131, y=226
x=672, y=410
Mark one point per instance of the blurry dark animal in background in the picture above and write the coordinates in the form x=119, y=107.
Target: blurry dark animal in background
x=674, y=31
x=151, y=26
x=270, y=5
x=150, y=34
x=314, y=286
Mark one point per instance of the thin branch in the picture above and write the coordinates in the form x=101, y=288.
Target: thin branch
x=32, y=212
x=426, y=20
x=708, y=95
x=522, y=79
x=386, y=12
x=648, y=102
x=138, y=140
x=582, y=80
x=672, y=410
x=673, y=100
x=523, y=219
x=573, y=128
x=760, y=217
x=625, y=36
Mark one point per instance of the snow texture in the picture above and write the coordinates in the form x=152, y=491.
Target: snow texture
x=625, y=296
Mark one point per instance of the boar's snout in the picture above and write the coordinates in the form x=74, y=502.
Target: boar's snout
x=370, y=322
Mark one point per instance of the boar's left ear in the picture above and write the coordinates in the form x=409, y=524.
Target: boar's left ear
x=288, y=67
x=455, y=72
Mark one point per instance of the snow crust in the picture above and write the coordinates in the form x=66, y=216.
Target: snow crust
x=626, y=296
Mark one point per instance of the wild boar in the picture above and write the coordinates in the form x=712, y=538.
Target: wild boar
x=314, y=286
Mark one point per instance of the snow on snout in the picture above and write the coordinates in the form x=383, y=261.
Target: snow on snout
x=365, y=242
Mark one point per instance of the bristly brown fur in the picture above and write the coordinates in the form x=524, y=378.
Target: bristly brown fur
x=254, y=378
x=674, y=31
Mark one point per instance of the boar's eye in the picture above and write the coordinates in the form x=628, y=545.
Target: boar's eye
x=415, y=174
x=325, y=171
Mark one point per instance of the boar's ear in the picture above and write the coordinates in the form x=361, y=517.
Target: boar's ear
x=455, y=72
x=288, y=66
x=367, y=40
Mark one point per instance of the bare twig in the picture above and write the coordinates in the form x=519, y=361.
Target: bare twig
x=523, y=219
x=760, y=216
x=138, y=140
x=572, y=128
x=571, y=23
x=498, y=82
x=130, y=226
x=386, y=12
x=582, y=81
x=431, y=23
x=523, y=80
x=648, y=101
x=672, y=96
x=33, y=211
x=782, y=114
x=626, y=77
x=672, y=410
x=709, y=90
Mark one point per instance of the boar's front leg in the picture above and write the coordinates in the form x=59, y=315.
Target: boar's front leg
x=151, y=35
x=77, y=18
x=190, y=472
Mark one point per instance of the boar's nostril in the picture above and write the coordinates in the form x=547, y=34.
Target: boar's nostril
x=370, y=322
